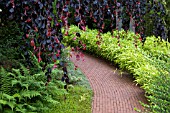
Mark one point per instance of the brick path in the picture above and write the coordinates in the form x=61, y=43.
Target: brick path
x=112, y=93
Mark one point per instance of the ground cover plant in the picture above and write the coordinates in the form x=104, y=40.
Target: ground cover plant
x=26, y=90
x=22, y=91
x=78, y=101
x=148, y=62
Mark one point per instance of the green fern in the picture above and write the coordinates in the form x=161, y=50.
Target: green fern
x=7, y=100
x=3, y=102
x=29, y=94
x=49, y=99
x=19, y=108
x=23, y=92
x=17, y=73
x=25, y=70
x=5, y=81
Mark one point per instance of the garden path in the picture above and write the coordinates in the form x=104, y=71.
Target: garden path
x=112, y=93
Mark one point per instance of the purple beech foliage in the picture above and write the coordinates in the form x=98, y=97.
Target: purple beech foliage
x=42, y=20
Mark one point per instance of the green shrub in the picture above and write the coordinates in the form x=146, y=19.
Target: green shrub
x=22, y=92
x=148, y=62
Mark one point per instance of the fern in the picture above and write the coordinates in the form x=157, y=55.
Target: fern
x=25, y=70
x=50, y=100
x=5, y=82
x=23, y=92
x=14, y=82
x=30, y=107
x=7, y=100
x=7, y=97
x=19, y=108
x=40, y=106
x=53, y=90
x=11, y=104
x=29, y=94
x=3, y=102
x=17, y=73
x=35, y=61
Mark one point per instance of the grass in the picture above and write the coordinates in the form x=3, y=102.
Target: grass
x=79, y=97
x=78, y=100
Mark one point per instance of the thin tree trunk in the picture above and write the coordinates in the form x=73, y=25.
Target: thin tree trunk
x=118, y=19
x=132, y=25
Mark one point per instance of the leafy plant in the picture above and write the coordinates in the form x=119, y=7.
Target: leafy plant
x=79, y=99
x=22, y=92
x=149, y=62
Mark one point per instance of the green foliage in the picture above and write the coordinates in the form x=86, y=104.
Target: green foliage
x=9, y=42
x=22, y=92
x=36, y=66
x=148, y=62
x=77, y=77
x=78, y=100
x=10, y=36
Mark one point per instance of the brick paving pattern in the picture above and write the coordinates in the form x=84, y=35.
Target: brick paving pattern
x=112, y=93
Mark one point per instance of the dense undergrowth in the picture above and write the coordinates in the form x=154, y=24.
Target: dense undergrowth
x=26, y=90
x=78, y=101
x=23, y=92
x=10, y=39
x=149, y=62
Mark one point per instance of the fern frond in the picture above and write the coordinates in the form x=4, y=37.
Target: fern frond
x=59, y=84
x=11, y=74
x=40, y=106
x=29, y=94
x=11, y=104
x=37, y=86
x=40, y=77
x=3, y=102
x=30, y=107
x=25, y=70
x=19, y=108
x=22, y=84
x=38, y=103
x=17, y=72
x=5, y=82
x=17, y=95
x=1, y=95
x=54, y=90
x=35, y=61
x=50, y=100
x=7, y=97
x=3, y=70
x=25, y=85
x=8, y=111
x=14, y=82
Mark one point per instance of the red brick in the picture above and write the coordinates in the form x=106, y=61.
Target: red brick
x=112, y=93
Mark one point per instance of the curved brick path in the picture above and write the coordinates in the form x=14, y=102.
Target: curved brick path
x=112, y=93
